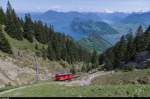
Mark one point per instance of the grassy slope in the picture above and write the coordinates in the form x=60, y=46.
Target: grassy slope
x=99, y=44
x=29, y=49
x=24, y=44
x=123, y=77
x=49, y=89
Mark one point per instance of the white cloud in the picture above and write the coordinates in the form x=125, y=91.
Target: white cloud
x=108, y=11
x=56, y=7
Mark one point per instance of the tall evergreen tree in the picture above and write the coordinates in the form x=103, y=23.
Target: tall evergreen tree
x=28, y=28
x=131, y=47
x=147, y=38
x=139, y=31
x=4, y=44
x=2, y=16
x=109, y=59
x=101, y=59
x=120, y=51
x=94, y=59
x=13, y=25
x=139, y=39
x=51, y=54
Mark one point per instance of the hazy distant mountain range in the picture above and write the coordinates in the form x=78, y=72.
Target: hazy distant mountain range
x=108, y=26
x=135, y=18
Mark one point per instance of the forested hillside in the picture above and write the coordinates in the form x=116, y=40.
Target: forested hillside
x=90, y=26
x=129, y=51
x=58, y=45
x=95, y=41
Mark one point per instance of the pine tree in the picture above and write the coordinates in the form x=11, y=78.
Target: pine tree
x=109, y=59
x=101, y=59
x=28, y=28
x=64, y=53
x=94, y=59
x=51, y=53
x=131, y=47
x=13, y=25
x=139, y=31
x=147, y=38
x=120, y=51
x=139, y=39
x=2, y=16
x=4, y=44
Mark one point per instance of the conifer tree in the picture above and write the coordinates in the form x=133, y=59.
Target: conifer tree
x=147, y=38
x=4, y=44
x=131, y=47
x=13, y=25
x=140, y=31
x=2, y=16
x=109, y=59
x=120, y=51
x=28, y=28
x=100, y=59
x=51, y=54
x=94, y=59
x=139, y=39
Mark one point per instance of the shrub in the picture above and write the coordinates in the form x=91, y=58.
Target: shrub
x=130, y=67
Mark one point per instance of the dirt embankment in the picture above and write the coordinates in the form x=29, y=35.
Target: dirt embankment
x=11, y=74
x=20, y=71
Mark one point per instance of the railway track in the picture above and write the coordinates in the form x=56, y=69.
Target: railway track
x=86, y=80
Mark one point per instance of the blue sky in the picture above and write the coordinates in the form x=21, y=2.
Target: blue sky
x=79, y=5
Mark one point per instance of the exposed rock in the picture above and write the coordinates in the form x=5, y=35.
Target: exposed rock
x=140, y=57
x=145, y=80
x=12, y=75
x=132, y=82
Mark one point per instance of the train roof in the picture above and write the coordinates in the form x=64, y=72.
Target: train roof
x=63, y=74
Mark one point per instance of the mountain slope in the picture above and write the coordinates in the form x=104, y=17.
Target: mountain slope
x=94, y=41
x=65, y=22
x=132, y=22
x=134, y=18
x=90, y=26
x=62, y=20
x=112, y=17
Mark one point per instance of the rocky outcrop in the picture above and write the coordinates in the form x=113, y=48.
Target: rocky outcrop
x=11, y=74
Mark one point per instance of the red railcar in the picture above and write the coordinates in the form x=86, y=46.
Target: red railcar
x=63, y=77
